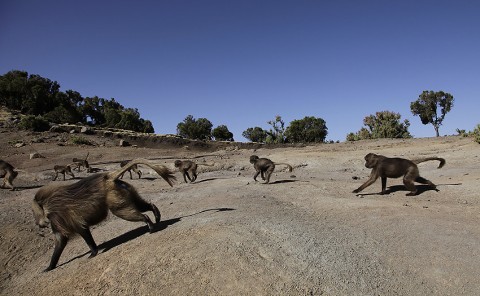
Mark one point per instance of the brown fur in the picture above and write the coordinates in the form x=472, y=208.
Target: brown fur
x=386, y=167
x=188, y=166
x=265, y=166
x=134, y=168
x=81, y=162
x=8, y=173
x=72, y=209
x=63, y=169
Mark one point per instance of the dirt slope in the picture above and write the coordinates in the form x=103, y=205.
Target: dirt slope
x=304, y=234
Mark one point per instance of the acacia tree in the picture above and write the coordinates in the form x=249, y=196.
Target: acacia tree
x=197, y=129
x=255, y=134
x=432, y=107
x=307, y=130
x=384, y=124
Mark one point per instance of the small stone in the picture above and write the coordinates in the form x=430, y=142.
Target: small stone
x=35, y=155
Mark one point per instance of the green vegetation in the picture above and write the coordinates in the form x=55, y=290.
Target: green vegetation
x=196, y=129
x=42, y=103
x=432, y=107
x=307, y=130
x=38, y=96
x=34, y=123
x=221, y=133
x=276, y=134
x=255, y=134
x=79, y=140
x=476, y=134
x=384, y=124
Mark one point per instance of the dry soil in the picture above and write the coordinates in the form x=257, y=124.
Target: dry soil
x=306, y=233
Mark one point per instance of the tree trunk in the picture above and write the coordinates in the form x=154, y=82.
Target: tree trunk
x=436, y=130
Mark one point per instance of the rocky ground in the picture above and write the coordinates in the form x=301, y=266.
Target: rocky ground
x=306, y=233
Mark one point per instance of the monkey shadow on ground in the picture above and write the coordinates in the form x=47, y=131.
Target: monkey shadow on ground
x=283, y=181
x=96, y=170
x=19, y=188
x=127, y=236
x=207, y=180
x=137, y=232
x=134, y=233
x=420, y=189
x=149, y=178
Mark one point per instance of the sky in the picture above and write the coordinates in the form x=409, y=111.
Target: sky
x=241, y=63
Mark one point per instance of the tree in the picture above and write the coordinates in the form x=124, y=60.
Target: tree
x=277, y=133
x=384, y=124
x=13, y=89
x=432, y=107
x=221, y=133
x=35, y=95
x=192, y=128
x=255, y=134
x=147, y=126
x=34, y=123
x=307, y=130
x=29, y=94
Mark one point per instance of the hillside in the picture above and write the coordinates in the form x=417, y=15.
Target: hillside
x=306, y=233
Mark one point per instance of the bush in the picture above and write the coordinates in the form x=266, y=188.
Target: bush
x=462, y=132
x=476, y=134
x=79, y=140
x=383, y=124
x=307, y=130
x=34, y=123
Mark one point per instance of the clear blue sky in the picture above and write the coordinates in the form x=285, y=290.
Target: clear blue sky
x=240, y=63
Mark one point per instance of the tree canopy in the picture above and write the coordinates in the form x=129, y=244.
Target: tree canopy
x=255, y=134
x=384, y=124
x=307, y=130
x=221, y=133
x=196, y=129
x=432, y=107
x=41, y=97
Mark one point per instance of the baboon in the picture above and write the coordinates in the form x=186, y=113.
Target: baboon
x=63, y=169
x=72, y=209
x=188, y=166
x=385, y=167
x=8, y=173
x=133, y=168
x=265, y=165
x=82, y=162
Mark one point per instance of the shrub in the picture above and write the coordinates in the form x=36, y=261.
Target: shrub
x=79, y=140
x=383, y=124
x=34, y=123
x=476, y=134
